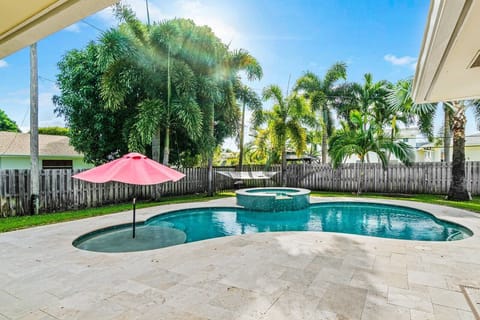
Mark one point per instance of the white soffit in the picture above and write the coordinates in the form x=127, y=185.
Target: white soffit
x=23, y=22
x=450, y=45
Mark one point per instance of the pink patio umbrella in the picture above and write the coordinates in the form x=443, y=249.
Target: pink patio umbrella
x=132, y=168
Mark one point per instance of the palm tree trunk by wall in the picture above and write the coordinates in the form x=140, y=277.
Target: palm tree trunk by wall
x=211, y=146
x=35, y=170
x=457, y=189
x=166, y=147
x=156, y=145
x=284, y=166
x=362, y=175
x=242, y=133
x=324, y=145
x=447, y=135
x=210, y=177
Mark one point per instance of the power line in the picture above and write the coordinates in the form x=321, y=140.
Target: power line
x=93, y=26
x=46, y=79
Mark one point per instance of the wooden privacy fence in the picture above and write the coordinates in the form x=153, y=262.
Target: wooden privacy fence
x=58, y=191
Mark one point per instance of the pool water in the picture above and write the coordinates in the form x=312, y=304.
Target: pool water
x=377, y=220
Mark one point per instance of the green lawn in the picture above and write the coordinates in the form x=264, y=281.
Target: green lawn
x=473, y=205
x=15, y=223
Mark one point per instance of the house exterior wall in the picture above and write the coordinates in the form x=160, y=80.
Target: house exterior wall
x=435, y=154
x=23, y=162
x=472, y=153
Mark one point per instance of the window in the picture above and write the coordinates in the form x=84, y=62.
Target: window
x=57, y=164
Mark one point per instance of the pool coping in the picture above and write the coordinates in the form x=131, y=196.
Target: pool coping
x=43, y=276
x=444, y=215
x=140, y=223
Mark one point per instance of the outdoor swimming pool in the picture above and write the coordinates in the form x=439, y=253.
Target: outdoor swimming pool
x=370, y=219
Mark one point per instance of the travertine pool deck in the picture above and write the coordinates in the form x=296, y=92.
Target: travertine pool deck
x=290, y=275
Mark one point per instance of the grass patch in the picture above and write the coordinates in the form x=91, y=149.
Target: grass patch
x=473, y=205
x=22, y=222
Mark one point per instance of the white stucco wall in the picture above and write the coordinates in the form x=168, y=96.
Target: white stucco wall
x=23, y=162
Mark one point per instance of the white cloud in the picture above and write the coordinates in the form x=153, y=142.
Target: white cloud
x=73, y=28
x=401, y=61
x=3, y=63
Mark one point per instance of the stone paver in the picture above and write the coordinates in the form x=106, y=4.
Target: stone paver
x=288, y=275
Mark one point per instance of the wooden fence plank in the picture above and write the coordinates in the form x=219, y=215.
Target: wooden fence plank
x=59, y=191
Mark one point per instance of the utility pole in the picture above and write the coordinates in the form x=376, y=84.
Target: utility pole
x=34, y=171
x=148, y=13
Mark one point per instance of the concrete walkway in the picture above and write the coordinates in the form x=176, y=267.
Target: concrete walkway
x=291, y=275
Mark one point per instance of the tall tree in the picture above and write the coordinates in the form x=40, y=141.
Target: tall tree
x=361, y=136
x=150, y=76
x=458, y=190
x=321, y=93
x=286, y=122
x=223, y=78
x=248, y=98
x=94, y=130
x=7, y=124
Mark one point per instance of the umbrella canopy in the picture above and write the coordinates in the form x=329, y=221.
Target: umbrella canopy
x=132, y=168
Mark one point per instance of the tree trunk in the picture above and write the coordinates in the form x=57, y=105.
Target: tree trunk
x=242, y=133
x=447, y=135
x=284, y=165
x=211, y=146
x=324, y=145
x=35, y=170
x=156, y=145
x=362, y=175
x=210, y=177
x=166, y=147
x=457, y=189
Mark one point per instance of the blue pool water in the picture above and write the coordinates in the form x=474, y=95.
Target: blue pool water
x=377, y=220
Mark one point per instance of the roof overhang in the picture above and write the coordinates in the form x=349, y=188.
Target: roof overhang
x=25, y=22
x=451, y=45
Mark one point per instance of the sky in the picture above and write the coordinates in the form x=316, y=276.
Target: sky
x=288, y=37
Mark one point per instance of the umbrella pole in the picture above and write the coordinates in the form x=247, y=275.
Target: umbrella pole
x=133, y=223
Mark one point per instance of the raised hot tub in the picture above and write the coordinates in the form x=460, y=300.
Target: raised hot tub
x=273, y=199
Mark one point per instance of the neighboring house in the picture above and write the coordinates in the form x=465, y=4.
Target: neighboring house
x=411, y=136
x=426, y=151
x=431, y=152
x=55, y=152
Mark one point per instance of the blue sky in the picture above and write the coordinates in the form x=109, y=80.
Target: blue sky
x=288, y=37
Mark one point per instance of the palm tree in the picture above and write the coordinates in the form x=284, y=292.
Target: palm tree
x=222, y=99
x=370, y=98
x=362, y=136
x=458, y=190
x=143, y=70
x=248, y=98
x=285, y=122
x=321, y=93
x=454, y=112
x=401, y=105
x=261, y=150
